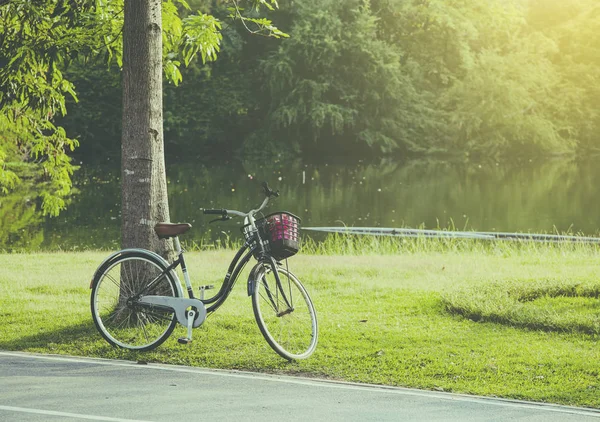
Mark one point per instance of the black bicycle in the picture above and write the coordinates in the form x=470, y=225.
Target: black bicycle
x=137, y=297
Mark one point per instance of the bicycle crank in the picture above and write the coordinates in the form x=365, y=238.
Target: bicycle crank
x=190, y=321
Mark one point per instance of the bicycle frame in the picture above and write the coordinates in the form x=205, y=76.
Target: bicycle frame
x=237, y=264
x=250, y=248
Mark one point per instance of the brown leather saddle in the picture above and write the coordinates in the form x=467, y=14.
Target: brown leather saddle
x=166, y=230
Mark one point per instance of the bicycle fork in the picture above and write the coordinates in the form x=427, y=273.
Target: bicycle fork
x=274, y=297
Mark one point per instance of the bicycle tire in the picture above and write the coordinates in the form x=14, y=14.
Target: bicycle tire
x=121, y=321
x=291, y=332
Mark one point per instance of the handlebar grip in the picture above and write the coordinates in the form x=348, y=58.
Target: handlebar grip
x=216, y=212
x=268, y=191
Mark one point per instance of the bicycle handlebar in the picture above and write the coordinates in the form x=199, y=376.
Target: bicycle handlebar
x=216, y=212
x=269, y=193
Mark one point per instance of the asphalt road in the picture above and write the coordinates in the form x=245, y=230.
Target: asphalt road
x=54, y=388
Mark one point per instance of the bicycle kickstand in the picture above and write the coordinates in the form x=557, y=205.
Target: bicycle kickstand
x=190, y=320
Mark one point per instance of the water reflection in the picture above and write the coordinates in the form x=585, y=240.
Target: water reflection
x=19, y=223
x=527, y=197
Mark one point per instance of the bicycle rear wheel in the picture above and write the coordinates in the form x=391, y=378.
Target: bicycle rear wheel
x=121, y=320
x=285, y=314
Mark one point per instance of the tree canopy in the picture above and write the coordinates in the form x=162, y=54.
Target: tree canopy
x=401, y=77
x=500, y=77
x=41, y=39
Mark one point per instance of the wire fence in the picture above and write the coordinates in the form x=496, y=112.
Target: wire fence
x=406, y=232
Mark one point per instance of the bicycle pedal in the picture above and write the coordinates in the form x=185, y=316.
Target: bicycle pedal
x=184, y=340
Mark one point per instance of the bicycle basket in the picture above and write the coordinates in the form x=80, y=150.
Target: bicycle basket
x=282, y=233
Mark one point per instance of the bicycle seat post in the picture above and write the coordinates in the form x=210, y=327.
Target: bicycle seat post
x=177, y=245
x=186, y=277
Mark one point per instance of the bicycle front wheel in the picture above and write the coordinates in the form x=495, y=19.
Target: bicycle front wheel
x=285, y=314
x=118, y=316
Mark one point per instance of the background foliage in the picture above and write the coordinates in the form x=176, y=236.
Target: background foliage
x=355, y=78
x=391, y=77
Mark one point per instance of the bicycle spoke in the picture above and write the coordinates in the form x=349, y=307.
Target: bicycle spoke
x=115, y=282
x=159, y=317
x=143, y=327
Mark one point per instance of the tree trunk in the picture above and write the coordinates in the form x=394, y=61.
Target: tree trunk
x=143, y=178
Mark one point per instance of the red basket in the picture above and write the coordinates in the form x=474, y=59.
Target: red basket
x=281, y=230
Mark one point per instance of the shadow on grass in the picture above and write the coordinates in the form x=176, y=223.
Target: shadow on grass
x=83, y=332
x=81, y=340
x=551, y=307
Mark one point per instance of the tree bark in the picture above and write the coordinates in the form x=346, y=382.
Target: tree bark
x=143, y=177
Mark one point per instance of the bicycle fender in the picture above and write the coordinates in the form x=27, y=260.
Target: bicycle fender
x=114, y=256
x=255, y=274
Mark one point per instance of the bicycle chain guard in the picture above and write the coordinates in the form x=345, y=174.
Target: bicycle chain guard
x=179, y=305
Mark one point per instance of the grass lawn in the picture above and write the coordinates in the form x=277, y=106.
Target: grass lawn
x=508, y=320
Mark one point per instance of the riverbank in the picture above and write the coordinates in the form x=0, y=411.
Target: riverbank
x=385, y=317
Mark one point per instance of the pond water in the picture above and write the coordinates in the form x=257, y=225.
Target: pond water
x=538, y=197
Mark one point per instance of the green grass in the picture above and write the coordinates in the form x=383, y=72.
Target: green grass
x=515, y=320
